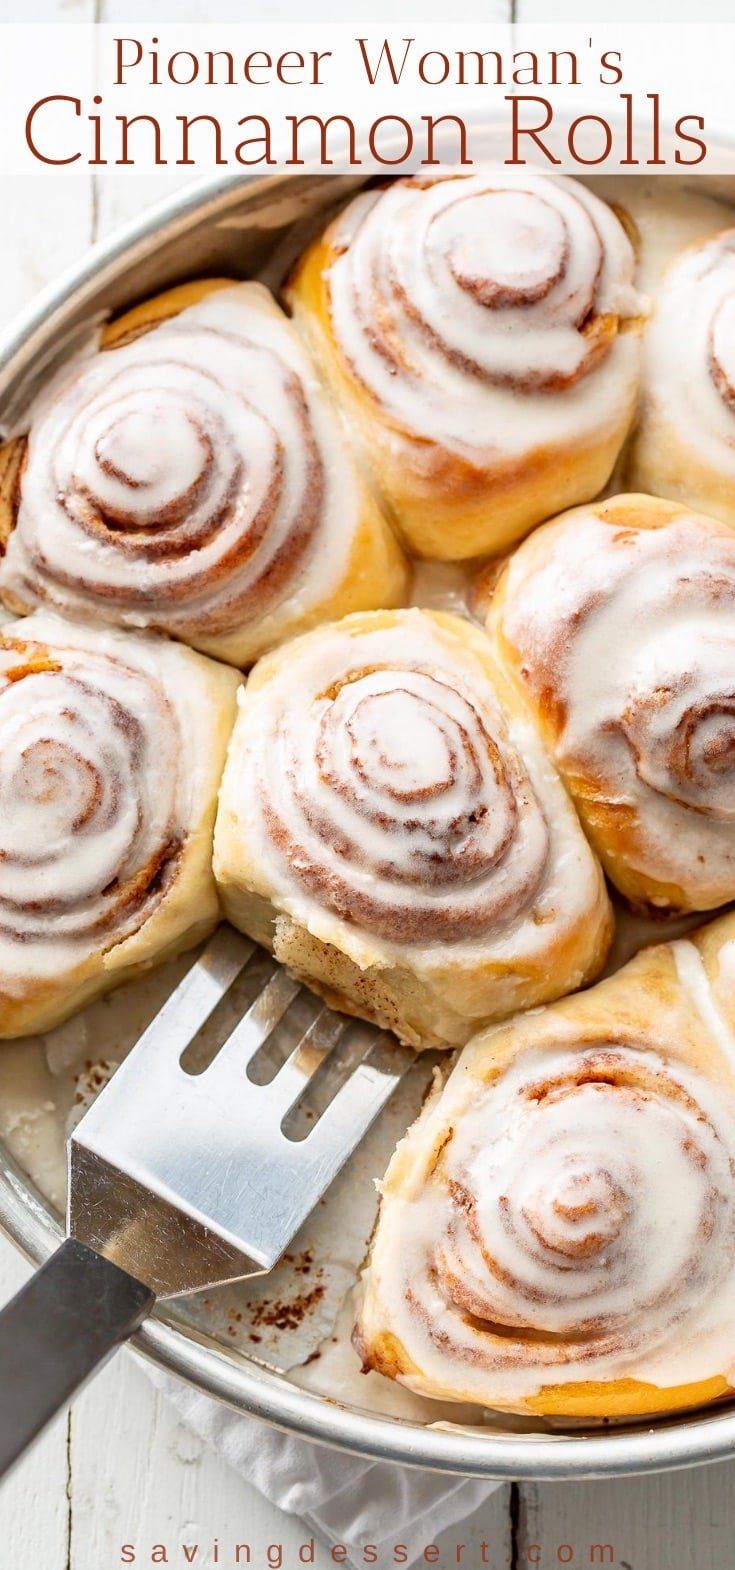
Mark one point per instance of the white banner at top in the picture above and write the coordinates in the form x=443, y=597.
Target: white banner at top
x=254, y=97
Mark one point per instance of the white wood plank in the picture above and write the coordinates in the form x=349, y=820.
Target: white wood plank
x=670, y=1522
x=47, y=221
x=51, y=228
x=491, y=1526
x=122, y=1468
x=140, y=1477
x=139, y=13
x=133, y=1472
x=590, y=12
x=33, y=1504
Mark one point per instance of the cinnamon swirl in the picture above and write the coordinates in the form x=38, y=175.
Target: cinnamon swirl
x=390, y=826
x=684, y=446
x=557, y=1231
x=189, y=477
x=481, y=332
x=618, y=621
x=111, y=751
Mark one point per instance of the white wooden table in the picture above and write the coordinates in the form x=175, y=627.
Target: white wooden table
x=120, y=1468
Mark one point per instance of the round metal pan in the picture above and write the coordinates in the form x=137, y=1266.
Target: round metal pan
x=238, y=227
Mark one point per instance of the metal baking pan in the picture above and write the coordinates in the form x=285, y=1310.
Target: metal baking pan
x=237, y=1351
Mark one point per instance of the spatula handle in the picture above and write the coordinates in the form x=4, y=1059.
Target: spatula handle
x=55, y=1333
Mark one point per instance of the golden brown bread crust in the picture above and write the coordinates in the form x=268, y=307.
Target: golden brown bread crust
x=546, y=1279
x=647, y=769
x=445, y=507
x=227, y=560
x=682, y=446
x=121, y=329
x=139, y=319
x=12, y=454
x=320, y=858
x=447, y=504
x=113, y=746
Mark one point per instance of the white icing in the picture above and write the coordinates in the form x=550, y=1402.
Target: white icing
x=668, y=215
x=585, y=1195
x=192, y=480
x=695, y=981
x=395, y=807
x=336, y=1372
x=727, y=965
x=668, y=218
x=467, y=306
x=634, y=631
x=102, y=778
x=690, y=354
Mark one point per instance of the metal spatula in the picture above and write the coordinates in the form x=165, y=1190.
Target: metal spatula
x=181, y=1180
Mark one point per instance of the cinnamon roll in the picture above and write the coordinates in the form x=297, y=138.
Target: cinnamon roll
x=557, y=1231
x=390, y=826
x=481, y=332
x=111, y=751
x=618, y=622
x=189, y=477
x=684, y=446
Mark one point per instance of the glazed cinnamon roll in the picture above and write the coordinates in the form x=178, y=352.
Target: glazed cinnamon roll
x=390, y=827
x=618, y=621
x=111, y=751
x=684, y=446
x=557, y=1231
x=189, y=477
x=481, y=332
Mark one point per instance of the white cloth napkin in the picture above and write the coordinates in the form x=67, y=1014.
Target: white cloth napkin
x=340, y=1498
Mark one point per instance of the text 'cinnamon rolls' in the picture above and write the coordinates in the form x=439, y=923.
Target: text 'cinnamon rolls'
x=618, y=621
x=557, y=1231
x=684, y=446
x=390, y=825
x=481, y=331
x=190, y=477
x=111, y=750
